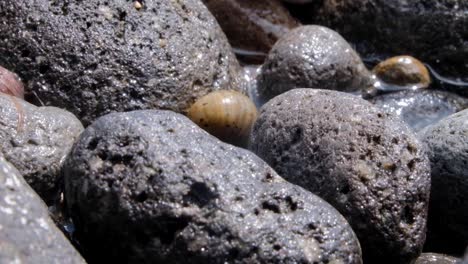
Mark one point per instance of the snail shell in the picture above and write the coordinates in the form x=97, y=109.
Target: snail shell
x=403, y=71
x=10, y=83
x=227, y=115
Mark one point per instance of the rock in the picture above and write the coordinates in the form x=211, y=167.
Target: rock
x=27, y=234
x=36, y=140
x=152, y=187
x=447, y=143
x=434, y=258
x=299, y=1
x=311, y=57
x=434, y=31
x=363, y=161
x=252, y=26
x=421, y=108
x=465, y=259
x=93, y=57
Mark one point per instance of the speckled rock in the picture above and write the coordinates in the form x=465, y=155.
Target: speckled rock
x=434, y=258
x=252, y=26
x=27, y=234
x=36, y=140
x=94, y=57
x=363, y=161
x=447, y=143
x=311, y=57
x=421, y=108
x=152, y=187
x=433, y=31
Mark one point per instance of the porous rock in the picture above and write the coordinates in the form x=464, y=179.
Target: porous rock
x=422, y=107
x=27, y=234
x=36, y=140
x=433, y=31
x=362, y=160
x=152, y=187
x=94, y=57
x=447, y=143
x=311, y=56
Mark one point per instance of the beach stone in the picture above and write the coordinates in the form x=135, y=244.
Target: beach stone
x=252, y=26
x=422, y=107
x=311, y=57
x=363, y=161
x=152, y=187
x=27, y=234
x=447, y=143
x=36, y=140
x=433, y=31
x=95, y=57
x=434, y=258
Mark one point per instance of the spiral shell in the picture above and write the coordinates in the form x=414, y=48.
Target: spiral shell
x=403, y=71
x=10, y=83
x=227, y=115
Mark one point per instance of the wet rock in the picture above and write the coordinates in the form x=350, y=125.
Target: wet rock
x=433, y=31
x=447, y=143
x=252, y=26
x=27, y=234
x=434, y=258
x=152, y=187
x=421, y=108
x=94, y=57
x=36, y=140
x=312, y=57
x=363, y=161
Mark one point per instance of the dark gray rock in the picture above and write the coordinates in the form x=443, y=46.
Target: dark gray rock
x=152, y=187
x=36, y=140
x=434, y=31
x=94, y=57
x=434, y=258
x=27, y=234
x=252, y=26
x=363, y=161
x=447, y=143
x=422, y=107
x=312, y=57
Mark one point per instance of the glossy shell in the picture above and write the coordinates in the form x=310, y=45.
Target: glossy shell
x=228, y=115
x=10, y=83
x=403, y=71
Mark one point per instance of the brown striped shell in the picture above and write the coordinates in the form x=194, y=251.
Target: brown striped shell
x=226, y=114
x=403, y=71
x=10, y=83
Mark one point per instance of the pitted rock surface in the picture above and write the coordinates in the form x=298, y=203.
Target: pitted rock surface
x=27, y=234
x=311, y=57
x=36, y=140
x=362, y=160
x=152, y=187
x=447, y=143
x=434, y=258
x=94, y=57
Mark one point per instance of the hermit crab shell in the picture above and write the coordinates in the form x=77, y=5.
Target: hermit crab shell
x=404, y=71
x=228, y=115
x=10, y=83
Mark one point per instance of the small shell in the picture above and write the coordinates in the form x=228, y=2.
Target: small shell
x=10, y=83
x=228, y=115
x=403, y=71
